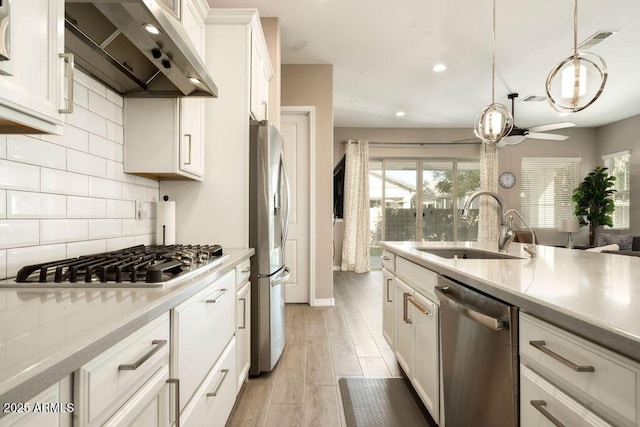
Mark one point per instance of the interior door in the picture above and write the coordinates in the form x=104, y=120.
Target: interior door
x=295, y=129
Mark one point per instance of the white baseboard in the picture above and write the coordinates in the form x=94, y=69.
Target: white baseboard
x=326, y=302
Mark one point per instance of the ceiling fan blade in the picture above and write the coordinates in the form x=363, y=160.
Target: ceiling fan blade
x=510, y=140
x=551, y=126
x=547, y=136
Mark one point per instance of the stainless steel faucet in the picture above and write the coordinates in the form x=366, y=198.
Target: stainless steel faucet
x=529, y=248
x=505, y=235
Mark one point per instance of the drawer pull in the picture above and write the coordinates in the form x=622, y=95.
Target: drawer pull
x=386, y=258
x=420, y=308
x=405, y=314
x=244, y=314
x=540, y=345
x=388, y=299
x=222, y=378
x=213, y=301
x=132, y=367
x=246, y=270
x=176, y=401
x=540, y=406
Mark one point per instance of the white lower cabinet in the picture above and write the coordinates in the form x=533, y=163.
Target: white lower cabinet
x=125, y=379
x=543, y=404
x=417, y=343
x=243, y=333
x=388, y=312
x=36, y=413
x=213, y=401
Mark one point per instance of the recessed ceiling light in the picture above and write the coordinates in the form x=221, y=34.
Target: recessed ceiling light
x=399, y=113
x=439, y=68
x=151, y=28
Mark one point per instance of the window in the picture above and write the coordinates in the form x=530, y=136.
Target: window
x=547, y=187
x=618, y=165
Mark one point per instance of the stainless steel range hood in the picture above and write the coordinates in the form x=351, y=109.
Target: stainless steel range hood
x=110, y=42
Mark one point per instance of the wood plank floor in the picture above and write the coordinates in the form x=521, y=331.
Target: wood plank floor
x=323, y=345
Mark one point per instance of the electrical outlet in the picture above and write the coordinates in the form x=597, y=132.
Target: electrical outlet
x=139, y=210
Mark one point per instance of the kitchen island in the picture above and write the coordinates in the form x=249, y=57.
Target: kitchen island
x=47, y=334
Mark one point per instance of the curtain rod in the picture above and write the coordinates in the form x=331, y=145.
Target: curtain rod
x=422, y=144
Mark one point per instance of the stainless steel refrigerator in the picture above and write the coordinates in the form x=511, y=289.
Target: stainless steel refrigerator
x=268, y=222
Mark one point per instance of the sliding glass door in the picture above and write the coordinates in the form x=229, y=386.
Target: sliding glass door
x=421, y=199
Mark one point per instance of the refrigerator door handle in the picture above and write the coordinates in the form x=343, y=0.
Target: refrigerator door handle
x=285, y=219
x=283, y=277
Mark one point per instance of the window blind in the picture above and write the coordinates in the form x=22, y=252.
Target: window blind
x=618, y=165
x=547, y=187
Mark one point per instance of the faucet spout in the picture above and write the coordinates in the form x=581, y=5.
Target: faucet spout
x=529, y=248
x=505, y=235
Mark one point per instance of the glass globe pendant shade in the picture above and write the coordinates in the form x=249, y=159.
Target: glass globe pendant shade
x=493, y=123
x=576, y=82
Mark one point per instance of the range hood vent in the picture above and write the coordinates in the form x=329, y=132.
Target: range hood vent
x=110, y=42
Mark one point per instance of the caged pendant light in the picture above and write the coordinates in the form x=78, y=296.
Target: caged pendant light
x=577, y=81
x=495, y=120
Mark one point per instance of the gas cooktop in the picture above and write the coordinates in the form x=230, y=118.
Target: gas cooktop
x=138, y=267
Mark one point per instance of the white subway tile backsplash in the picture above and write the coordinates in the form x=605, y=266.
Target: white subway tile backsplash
x=105, y=108
x=86, y=207
x=3, y=203
x=115, y=171
x=26, y=149
x=133, y=227
x=86, y=248
x=147, y=239
x=63, y=230
x=3, y=264
x=115, y=132
x=15, y=233
x=72, y=137
x=19, y=176
x=88, y=120
x=23, y=204
x=120, y=243
x=102, y=147
x=134, y=192
x=153, y=194
x=121, y=209
x=86, y=164
x=100, y=187
x=115, y=98
x=150, y=210
x=80, y=95
x=90, y=83
x=103, y=228
x=19, y=257
x=55, y=181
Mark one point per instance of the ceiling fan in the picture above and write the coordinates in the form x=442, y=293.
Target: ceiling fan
x=517, y=135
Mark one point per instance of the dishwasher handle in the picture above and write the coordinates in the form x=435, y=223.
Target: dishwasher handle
x=476, y=316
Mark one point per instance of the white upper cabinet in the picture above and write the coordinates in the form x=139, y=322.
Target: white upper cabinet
x=261, y=73
x=32, y=84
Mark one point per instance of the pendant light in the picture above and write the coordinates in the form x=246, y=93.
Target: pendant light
x=494, y=121
x=577, y=81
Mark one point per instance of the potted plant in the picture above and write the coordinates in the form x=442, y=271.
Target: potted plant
x=594, y=204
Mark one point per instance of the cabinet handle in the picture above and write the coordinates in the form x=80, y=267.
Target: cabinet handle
x=388, y=299
x=69, y=61
x=222, y=378
x=385, y=258
x=266, y=110
x=246, y=270
x=540, y=345
x=476, y=316
x=135, y=365
x=176, y=400
x=213, y=301
x=419, y=306
x=405, y=308
x=187, y=140
x=540, y=406
x=244, y=314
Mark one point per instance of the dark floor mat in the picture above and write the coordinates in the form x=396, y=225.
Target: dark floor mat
x=381, y=402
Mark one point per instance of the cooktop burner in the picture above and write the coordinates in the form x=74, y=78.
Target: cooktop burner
x=134, y=265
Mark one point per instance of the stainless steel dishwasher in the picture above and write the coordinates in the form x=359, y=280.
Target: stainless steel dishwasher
x=479, y=351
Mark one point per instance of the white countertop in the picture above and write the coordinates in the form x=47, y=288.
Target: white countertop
x=47, y=334
x=594, y=295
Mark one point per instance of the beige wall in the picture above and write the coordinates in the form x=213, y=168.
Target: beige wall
x=620, y=136
x=271, y=30
x=312, y=85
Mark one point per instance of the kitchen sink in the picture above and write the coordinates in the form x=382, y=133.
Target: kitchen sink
x=466, y=253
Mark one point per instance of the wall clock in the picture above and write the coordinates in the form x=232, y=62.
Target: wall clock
x=507, y=180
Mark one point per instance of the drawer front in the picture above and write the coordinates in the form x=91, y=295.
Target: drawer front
x=389, y=260
x=111, y=378
x=203, y=326
x=613, y=382
x=243, y=272
x=420, y=278
x=214, y=400
x=541, y=402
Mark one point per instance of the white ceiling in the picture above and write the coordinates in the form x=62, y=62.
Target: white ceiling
x=383, y=55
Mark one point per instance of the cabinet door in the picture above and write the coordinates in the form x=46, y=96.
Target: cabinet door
x=388, y=295
x=31, y=80
x=192, y=136
x=426, y=373
x=243, y=332
x=37, y=412
x=259, y=83
x=405, y=348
